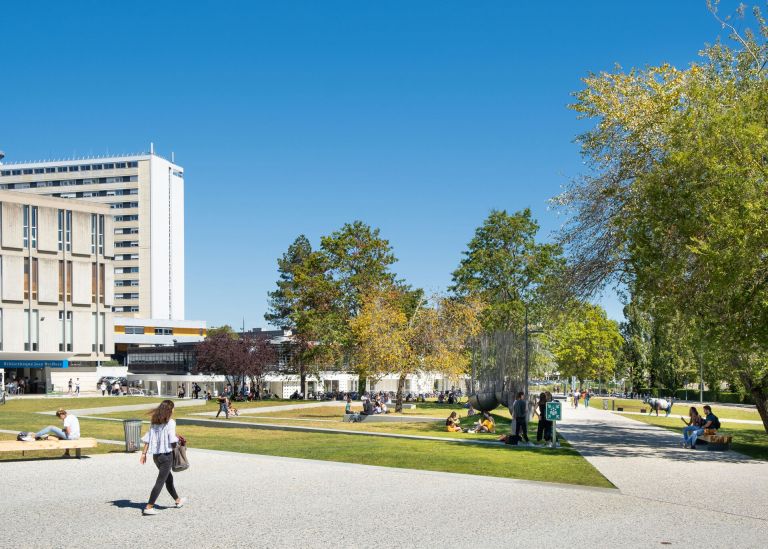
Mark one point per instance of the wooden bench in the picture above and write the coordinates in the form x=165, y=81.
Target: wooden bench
x=717, y=442
x=50, y=444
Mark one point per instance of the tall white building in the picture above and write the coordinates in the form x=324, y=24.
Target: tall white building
x=146, y=195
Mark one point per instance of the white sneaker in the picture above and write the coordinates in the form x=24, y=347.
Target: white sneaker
x=181, y=503
x=150, y=511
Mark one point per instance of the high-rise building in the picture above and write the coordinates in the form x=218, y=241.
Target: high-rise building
x=146, y=195
x=56, y=289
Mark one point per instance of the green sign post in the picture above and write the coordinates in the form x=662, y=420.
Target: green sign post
x=554, y=413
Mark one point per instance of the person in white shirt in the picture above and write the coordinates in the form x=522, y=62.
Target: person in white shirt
x=103, y=388
x=71, y=429
x=159, y=442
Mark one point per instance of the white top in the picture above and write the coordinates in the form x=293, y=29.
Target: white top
x=74, y=427
x=160, y=437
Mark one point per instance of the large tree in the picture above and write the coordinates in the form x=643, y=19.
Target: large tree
x=675, y=203
x=586, y=343
x=507, y=269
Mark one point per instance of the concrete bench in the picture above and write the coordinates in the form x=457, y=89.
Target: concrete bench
x=389, y=418
x=717, y=442
x=50, y=444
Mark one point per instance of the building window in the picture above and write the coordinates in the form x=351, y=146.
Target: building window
x=94, y=281
x=69, y=331
x=69, y=282
x=34, y=278
x=134, y=330
x=103, y=343
x=25, y=329
x=95, y=343
x=68, y=232
x=25, y=215
x=101, y=235
x=163, y=331
x=61, y=283
x=1, y=329
x=34, y=227
x=61, y=230
x=93, y=232
x=26, y=278
x=102, y=284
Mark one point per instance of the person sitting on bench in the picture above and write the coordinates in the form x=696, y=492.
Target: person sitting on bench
x=71, y=429
x=710, y=422
x=695, y=423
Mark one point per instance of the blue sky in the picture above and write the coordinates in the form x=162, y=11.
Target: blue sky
x=417, y=117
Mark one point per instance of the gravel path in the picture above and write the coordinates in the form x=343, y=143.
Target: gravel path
x=240, y=500
x=647, y=462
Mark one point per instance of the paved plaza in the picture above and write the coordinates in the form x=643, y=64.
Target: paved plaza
x=663, y=495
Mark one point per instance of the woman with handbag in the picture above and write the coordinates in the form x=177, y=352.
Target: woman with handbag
x=160, y=441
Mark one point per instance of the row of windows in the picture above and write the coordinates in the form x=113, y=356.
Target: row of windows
x=132, y=309
x=140, y=330
x=122, y=205
x=160, y=358
x=124, y=283
x=125, y=270
x=127, y=296
x=126, y=257
x=92, y=194
x=127, y=230
x=32, y=277
x=69, y=182
x=29, y=230
x=67, y=169
x=127, y=244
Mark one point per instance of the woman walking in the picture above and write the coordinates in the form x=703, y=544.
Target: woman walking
x=159, y=442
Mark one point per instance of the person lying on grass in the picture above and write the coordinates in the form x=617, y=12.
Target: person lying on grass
x=452, y=423
x=485, y=425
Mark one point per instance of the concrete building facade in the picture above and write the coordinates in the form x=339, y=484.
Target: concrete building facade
x=146, y=195
x=56, y=287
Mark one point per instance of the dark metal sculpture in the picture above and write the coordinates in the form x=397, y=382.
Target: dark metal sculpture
x=498, y=370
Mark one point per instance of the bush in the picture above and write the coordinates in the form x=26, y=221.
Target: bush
x=715, y=396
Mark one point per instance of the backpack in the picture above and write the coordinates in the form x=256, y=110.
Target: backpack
x=512, y=440
x=24, y=436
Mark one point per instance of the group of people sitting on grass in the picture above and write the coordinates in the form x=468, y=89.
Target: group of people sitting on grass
x=696, y=425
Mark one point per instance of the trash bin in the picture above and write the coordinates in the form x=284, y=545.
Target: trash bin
x=132, y=428
x=605, y=404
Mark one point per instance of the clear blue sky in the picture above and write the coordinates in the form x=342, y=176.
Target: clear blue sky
x=417, y=117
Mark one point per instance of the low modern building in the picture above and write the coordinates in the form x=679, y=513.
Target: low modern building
x=162, y=370
x=56, y=290
x=133, y=333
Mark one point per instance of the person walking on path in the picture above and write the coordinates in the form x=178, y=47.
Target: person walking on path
x=77, y=387
x=520, y=412
x=223, y=406
x=69, y=387
x=576, y=398
x=587, y=396
x=103, y=388
x=159, y=442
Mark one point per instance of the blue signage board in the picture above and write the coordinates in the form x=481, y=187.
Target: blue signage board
x=34, y=363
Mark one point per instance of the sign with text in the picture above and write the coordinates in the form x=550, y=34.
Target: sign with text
x=34, y=363
x=554, y=411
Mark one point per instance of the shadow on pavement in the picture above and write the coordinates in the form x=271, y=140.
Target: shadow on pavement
x=598, y=439
x=128, y=504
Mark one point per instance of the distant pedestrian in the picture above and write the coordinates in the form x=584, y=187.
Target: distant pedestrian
x=103, y=388
x=159, y=442
x=69, y=387
x=576, y=398
x=520, y=412
x=587, y=396
x=77, y=387
x=223, y=406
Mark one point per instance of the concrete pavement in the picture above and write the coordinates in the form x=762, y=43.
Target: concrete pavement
x=647, y=462
x=241, y=500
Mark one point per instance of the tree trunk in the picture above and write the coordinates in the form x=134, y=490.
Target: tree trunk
x=400, y=387
x=303, y=382
x=759, y=395
x=361, y=382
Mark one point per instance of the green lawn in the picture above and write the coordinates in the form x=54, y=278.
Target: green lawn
x=723, y=412
x=750, y=440
x=563, y=465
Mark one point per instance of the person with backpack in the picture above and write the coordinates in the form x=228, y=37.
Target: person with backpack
x=159, y=443
x=711, y=421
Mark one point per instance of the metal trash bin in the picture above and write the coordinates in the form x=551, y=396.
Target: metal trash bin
x=605, y=404
x=132, y=428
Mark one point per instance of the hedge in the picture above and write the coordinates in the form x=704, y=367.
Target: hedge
x=693, y=394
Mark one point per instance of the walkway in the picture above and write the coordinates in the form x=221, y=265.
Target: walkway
x=647, y=462
x=81, y=412
x=285, y=502
x=286, y=407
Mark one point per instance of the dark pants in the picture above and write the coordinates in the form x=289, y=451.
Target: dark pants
x=521, y=427
x=164, y=476
x=544, y=429
x=223, y=409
